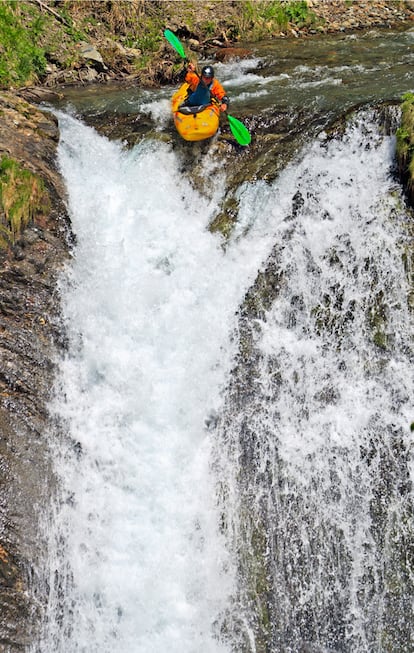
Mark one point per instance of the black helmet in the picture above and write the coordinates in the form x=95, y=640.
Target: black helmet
x=207, y=71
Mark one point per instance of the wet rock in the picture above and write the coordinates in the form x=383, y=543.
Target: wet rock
x=9, y=572
x=226, y=54
x=30, y=335
x=405, y=146
x=38, y=94
x=90, y=53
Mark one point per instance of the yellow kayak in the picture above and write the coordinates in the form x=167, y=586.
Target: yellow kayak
x=194, y=123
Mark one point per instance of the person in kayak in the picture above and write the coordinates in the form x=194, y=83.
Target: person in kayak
x=205, y=87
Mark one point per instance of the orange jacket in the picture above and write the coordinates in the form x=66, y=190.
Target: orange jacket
x=216, y=89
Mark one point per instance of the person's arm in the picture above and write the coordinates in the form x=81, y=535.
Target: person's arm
x=191, y=76
x=219, y=93
x=192, y=80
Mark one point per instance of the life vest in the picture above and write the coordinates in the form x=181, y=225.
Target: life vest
x=214, y=89
x=201, y=95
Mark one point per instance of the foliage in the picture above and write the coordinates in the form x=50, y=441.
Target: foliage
x=136, y=23
x=20, y=58
x=208, y=27
x=147, y=40
x=405, y=137
x=33, y=38
x=22, y=197
x=262, y=18
x=29, y=38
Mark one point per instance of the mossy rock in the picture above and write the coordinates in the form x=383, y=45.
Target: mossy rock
x=405, y=144
x=22, y=197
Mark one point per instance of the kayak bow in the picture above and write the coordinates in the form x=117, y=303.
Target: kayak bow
x=194, y=123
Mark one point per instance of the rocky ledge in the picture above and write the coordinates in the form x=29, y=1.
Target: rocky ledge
x=30, y=334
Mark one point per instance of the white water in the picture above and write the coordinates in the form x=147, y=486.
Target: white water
x=320, y=447
x=149, y=301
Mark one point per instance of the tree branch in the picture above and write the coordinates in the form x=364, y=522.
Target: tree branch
x=54, y=13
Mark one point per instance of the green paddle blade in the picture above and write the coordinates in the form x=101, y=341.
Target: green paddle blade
x=239, y=131
x=175, y=42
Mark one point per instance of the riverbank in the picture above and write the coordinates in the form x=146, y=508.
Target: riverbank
x=96, y=42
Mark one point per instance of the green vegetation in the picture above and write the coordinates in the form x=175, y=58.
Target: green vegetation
x=208, y=27
x=20, y=58
x=262, y=19
x=34, y=37
x=22, y=198
x=405, y=139
x=30, y=39
x=145, y=36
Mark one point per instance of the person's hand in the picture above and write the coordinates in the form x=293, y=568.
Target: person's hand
x=191, y=67
x=223, y=107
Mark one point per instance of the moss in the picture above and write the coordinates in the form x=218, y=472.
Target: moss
x=22, y=198
x=405, y=140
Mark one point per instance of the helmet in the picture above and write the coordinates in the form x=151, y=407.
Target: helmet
x=207, y=71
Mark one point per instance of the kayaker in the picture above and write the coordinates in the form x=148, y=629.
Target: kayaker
x=205, y=87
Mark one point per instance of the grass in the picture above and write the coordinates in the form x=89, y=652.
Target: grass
x=30, y=39
x=22, y=198
x=21, y=60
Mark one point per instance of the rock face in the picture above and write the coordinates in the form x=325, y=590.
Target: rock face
x=30, y=336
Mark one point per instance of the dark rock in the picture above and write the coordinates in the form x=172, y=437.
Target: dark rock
x=225, y=54
x=30, y=335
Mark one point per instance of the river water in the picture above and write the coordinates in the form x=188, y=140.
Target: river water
x=197, y=510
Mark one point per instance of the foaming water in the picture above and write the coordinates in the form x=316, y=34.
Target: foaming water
x=318, y=433
x=137, y=560
x=312, y=455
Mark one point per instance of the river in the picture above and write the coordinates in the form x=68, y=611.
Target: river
x=229, y=479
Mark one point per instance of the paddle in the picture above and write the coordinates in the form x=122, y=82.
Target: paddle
x=239, y=131
x=175, y=42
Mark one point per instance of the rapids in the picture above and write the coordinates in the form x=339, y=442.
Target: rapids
x=234, y=465
x=149, y=301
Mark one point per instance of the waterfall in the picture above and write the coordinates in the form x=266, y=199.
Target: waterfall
x=317, y=481
x=137, y=560
x=233, y=462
